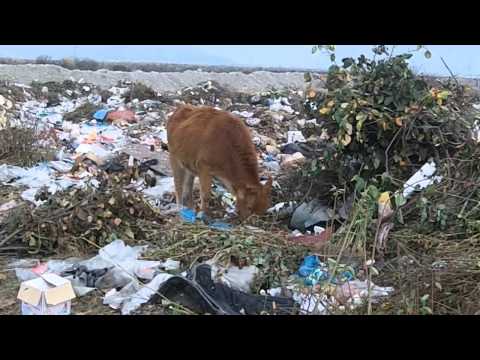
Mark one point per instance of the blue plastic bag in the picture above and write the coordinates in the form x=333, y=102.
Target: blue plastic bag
x=219, y=225
x=188, y=215
x=344, y=277
x=100, y=115
x=315, y=272
x=269, y=158
x=310, y=263
x=316, y=276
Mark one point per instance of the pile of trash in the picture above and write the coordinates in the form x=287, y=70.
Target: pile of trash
x=53, y=92
x=109, y=177
x=205, y=288
x=208, y=93
x=129, y=282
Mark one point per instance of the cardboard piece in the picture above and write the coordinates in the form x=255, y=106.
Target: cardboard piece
x=48, y=294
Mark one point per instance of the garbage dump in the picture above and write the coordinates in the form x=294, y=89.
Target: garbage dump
x=374, y=199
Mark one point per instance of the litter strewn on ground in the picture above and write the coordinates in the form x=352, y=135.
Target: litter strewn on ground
x=92, y=167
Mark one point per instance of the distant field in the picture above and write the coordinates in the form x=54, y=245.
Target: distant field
x=89, y=64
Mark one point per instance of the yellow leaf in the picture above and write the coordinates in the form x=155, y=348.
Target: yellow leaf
x=403, y=163
x=384, y=198
x=311, y=94
x=439, y=101
x=398, y=121
x=331, y=103
x=324, y=110
x=443, y=94
x=347, y=139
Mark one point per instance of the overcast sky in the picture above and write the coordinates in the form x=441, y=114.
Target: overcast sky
x=464, y=60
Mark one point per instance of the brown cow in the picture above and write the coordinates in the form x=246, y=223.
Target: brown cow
x=211, y=143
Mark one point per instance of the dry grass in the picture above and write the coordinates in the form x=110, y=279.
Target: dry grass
x=19, y=146
x=83, y=112
x=261, y=245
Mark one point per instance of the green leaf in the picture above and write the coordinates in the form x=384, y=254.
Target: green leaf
x=373, y=192
x=400, y=200
x=314, y=49
x=424, y=298
x=360, y=184
x=361, y=117
x=428, y=54
x=129, y=233
x=360, y=120
x=332, y=57
x=331, y=262
x=423, y=215
x=347, y=62
x=32, y=242
x=400, y=217
x=427, y=310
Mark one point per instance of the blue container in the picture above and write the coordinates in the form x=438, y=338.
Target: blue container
x=100, y=115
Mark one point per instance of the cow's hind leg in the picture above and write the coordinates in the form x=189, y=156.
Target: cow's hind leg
x=179, y=175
